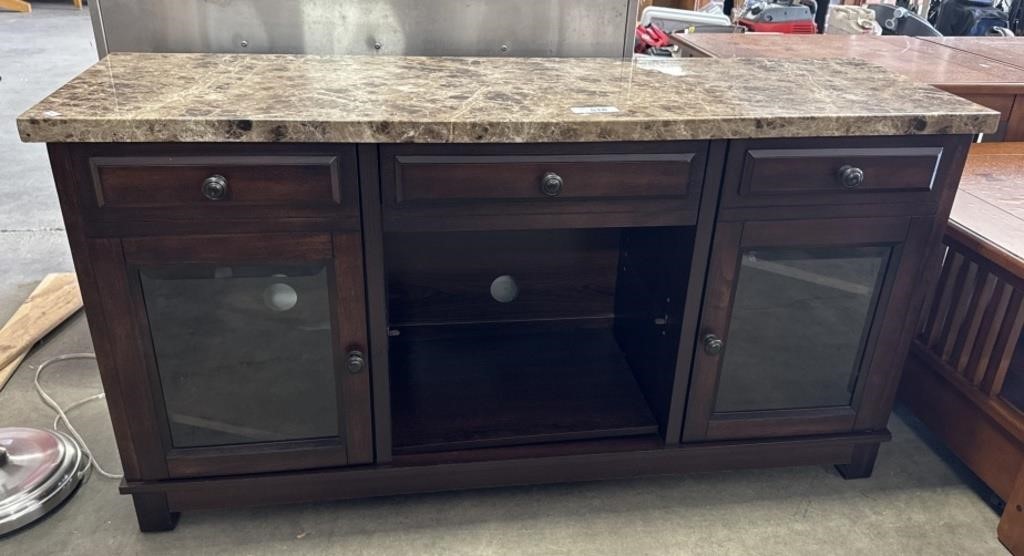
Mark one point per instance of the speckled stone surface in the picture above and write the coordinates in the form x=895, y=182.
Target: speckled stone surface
x=287, y=98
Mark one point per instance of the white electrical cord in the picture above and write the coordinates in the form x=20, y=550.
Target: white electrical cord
x=62, y=414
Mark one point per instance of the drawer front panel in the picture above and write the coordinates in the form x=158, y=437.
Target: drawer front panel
x=155, y=181
x=447, y=187
x=468, y=178
x=832, y=172
x=158, y=188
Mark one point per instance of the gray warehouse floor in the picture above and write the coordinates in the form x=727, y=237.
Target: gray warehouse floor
x=920, y=501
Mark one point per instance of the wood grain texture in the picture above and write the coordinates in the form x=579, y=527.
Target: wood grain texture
x=342, y=252
x=500, y=385
x=578, y=384
x=970, y=424
x=156, y=188
x=1015, y=121
x=988, y=211
x=55, y=299
x=969, y=342
x=348, y=295
x=654, y=268
x=433, y=187
x=813, y=174
x=16, y=5
x=1006, y=50
x=994, y=80
x=376, y=299
x=447, y=178
x=805, y=172
x=7, y=372
x=252, y=181
x=1011, y=524
x=445, y=277
x=923, y=251
x=153, y=513
x=862, y=463
x=1002, y=103
x=920, y=60
x=356, y=482
x=694, y=292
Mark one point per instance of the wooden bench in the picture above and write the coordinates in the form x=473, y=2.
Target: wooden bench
x=24, y=6
x=965, y=375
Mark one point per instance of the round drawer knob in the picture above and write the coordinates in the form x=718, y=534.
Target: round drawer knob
x=551, y=184
x=851, y=176
x=713, y=344
x=355, y=362
x=215, y=187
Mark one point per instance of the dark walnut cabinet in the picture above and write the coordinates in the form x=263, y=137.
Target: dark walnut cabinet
x=289, y=323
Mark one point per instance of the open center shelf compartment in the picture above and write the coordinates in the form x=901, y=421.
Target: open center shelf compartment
x=501, y=338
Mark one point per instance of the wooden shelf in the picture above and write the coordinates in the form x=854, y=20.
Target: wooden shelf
x=512, y=384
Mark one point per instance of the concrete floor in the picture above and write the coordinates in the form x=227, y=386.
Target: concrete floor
x=920, y=500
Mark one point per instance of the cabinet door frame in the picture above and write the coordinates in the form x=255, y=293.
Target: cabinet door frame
x=342, y=254
x=731, y=239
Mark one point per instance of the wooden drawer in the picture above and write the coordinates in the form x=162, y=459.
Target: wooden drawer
x=452, y=187
x=815, y=172
x=137, y=182
x=216, y=186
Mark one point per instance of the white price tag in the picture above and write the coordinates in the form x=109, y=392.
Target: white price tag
x=594, y=109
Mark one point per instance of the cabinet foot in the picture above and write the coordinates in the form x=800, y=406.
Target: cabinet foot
x=153, y=513
x=1011, y=525
x=862, y=463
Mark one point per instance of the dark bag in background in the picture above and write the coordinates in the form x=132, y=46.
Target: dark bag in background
x=969, y=18
x=1016, y=17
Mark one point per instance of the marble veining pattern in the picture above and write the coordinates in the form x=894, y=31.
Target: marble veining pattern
x=367, y=99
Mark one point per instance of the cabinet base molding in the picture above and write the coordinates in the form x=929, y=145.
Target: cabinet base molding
x=387, y=480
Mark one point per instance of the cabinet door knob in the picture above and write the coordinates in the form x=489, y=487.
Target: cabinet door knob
x=355, y=362
x=851, y=176
x=215, y=187
x=551, y=184
x=713, y=344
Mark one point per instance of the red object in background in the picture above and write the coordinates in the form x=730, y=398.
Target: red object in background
x=650, y=36
x=795, y=27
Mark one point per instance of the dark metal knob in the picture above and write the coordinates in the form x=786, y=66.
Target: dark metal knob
x=551, y=184
x=356, y=362
x=851, y=176
x=713, y=344
x=215, y=187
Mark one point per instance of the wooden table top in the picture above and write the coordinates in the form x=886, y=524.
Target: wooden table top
x=990, y=202
x=923, y=61
x=1008, y=50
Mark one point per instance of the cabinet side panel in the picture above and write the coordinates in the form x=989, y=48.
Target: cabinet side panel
x=923, y=254
x=99, y=265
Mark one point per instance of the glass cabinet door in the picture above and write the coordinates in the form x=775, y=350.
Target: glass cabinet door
x=243, y=352
x=800, y=318
x=792, y=310
x=255, y=349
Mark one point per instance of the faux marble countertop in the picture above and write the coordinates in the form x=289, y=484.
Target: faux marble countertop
x=354, y=99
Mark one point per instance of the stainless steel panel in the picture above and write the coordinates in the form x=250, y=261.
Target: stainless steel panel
x=602, y=28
